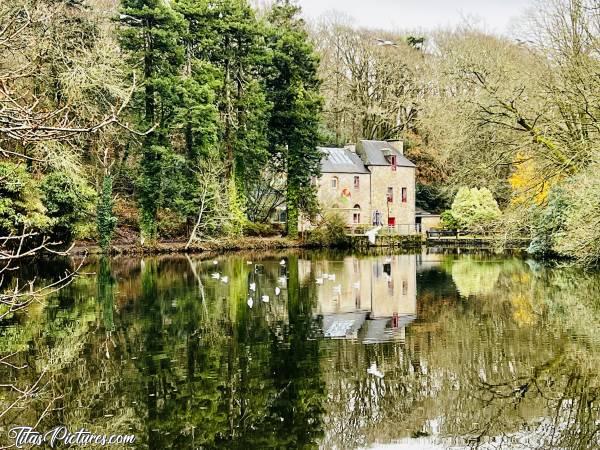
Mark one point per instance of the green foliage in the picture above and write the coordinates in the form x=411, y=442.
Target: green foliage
x=259, y=229
x=105, y=220
x=236, y=218
x=431, y=198
x=68, y=201
x=331, y=232
x=548, y=223
x=579, y=215
x=293, y=89
x=474, y=208
x=153, y=36
x=448, y=221
x=20, y=201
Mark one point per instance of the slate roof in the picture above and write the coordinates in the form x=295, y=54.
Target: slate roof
x=372, y=154
x=341, y=160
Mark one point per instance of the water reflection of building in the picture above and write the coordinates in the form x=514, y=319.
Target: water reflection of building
x=372, y=299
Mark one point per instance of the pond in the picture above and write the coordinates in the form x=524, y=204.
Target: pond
x=304, y=350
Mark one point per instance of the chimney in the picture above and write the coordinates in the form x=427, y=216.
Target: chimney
x=397, y=144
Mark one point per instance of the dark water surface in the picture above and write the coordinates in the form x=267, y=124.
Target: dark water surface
x=421, y=351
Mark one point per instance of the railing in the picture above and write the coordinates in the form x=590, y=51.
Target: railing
x=407, y=229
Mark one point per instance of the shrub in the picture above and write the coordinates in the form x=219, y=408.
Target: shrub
x=548, y=223
x=580, y=235
x=331, y=232
x=259, y=229
x=474, y=208
x=20, y=201
x=171, y=224
x=448, y=221
x=68, y=202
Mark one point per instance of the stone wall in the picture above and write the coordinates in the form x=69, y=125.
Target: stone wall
x=383, y=177
x=345, y=196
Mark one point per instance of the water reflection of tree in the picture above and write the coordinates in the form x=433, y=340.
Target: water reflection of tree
x=186, y=370
x=480, y=372
x=245, y=382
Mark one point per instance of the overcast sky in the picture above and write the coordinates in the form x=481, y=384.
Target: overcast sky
x=495, y=15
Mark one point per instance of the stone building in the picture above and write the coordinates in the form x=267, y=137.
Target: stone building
x=372, y=183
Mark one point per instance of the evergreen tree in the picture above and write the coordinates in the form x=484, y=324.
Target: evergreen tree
x=152, y=36
x=293, y=89
x=227, y=34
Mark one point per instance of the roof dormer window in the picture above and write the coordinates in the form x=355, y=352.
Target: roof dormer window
x=393, y=162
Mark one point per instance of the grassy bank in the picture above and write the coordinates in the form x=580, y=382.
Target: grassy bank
x=213, y=246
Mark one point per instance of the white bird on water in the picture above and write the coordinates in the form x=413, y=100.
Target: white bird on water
x=319, y=280
x=216, y=276
x=324, y=275
x=282, y=262
x=265, y=298
x=215, y=262
x=331, y=277
x=225, y=279
x=373, y=370
x=248, y=262
x=250, y=302
x=253, y=286
x=277, y=290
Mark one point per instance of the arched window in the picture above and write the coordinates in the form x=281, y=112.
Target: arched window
x=356, y=214
x=334, y=182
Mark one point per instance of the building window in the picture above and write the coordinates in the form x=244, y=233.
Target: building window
x=334, y=183
x=404, y=287
x=390, y=195
x=356, y=182
x=356, y=215
x=393, y=161
x=404, y=195
x=282, y=215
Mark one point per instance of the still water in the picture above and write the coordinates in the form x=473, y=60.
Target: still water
x=308, y=350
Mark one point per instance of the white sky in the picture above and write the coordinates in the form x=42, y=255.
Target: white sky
x=492, y=15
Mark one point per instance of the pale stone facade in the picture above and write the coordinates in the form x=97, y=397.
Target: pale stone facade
x=369, y=184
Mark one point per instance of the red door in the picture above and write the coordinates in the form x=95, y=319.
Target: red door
x=391, y=221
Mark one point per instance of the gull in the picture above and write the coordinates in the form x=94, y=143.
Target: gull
x=319, y=280
x=282, y=262
x=215, y=262
x=248, y=262
x=373, y=370
x=265, y=298
x=216, y=276
x=224, y=279
x=253, y=286
x=331, y=277
x=250, y=302
x=277, y=290
x=356, y=285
